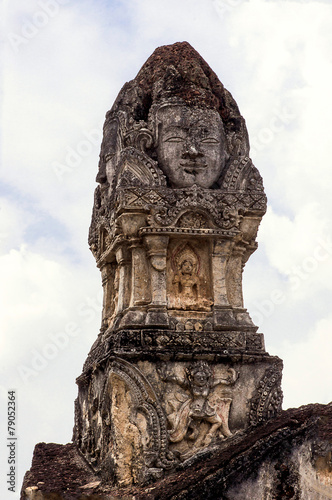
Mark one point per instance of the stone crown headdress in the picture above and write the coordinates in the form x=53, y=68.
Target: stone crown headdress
x=173, y=74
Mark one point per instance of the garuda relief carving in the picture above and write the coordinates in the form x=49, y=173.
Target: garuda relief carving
x=195, y=417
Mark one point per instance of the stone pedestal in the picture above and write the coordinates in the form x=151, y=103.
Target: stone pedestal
x=142, y=409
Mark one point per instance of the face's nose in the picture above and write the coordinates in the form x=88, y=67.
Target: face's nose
x=191, y=151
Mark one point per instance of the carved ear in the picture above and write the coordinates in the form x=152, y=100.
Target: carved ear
x=144, y=140
x=141, y=139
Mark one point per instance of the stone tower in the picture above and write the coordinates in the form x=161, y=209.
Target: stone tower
x=178, y=366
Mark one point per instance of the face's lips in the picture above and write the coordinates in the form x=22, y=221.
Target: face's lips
x=192, y=166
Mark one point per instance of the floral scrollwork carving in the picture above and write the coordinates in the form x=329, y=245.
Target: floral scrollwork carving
x=267, y=400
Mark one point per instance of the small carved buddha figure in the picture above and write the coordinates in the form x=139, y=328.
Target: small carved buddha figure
x=186, y=279
x=190, y=145
x=186, y=282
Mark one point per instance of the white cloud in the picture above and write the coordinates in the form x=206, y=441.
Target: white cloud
x=42, y=297
x=288, y=242
x=275, y=59
x=13, y=224
x=288, y=62
x=307, y=362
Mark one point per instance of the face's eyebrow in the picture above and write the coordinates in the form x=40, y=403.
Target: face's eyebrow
x=206, y=126
x=174, y=127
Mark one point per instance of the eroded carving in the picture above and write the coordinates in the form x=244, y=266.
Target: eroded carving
x=186, y=280
x=267, y=400
x=190, y=145
x=121, y=414
x=193, y=409
x=187, y=276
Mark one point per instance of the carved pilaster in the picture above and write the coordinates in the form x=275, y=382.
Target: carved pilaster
x=221, y=252
x=140, y=275
x=157, y=251
x=234, y=277
x=123, y=260
x=110, y=293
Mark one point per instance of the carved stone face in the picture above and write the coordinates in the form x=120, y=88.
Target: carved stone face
x=191, y=145
x=112, y=150
x=187, y=267
x=200, y=378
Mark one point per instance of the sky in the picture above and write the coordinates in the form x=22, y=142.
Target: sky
x=64, y=62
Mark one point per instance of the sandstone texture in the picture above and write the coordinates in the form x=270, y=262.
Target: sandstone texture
x=286, y=457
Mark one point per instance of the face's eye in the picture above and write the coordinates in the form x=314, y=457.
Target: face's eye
x=174, y=139
x=209, y=140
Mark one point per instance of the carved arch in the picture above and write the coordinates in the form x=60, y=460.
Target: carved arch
x=146, y=402
x=242, y=175
x=137, y=169
x=197, y=219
